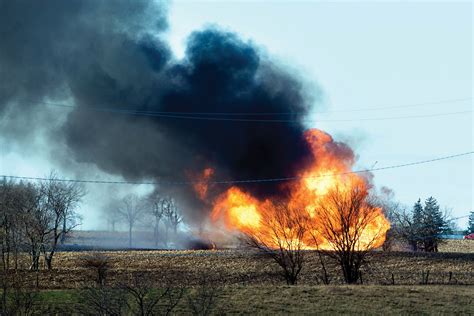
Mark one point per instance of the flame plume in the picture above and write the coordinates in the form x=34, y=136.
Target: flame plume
x=326, y=199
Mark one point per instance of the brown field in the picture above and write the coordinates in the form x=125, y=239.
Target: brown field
x=462, y=245
x=244, y=267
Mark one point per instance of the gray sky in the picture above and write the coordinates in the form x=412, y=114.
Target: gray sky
x=362, y=55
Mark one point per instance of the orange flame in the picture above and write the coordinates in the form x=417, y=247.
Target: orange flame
x=329, y=173
x=201, y=187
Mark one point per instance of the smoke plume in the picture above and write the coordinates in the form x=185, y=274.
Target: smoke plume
x=113, y=56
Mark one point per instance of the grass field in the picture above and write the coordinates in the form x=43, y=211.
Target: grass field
x=327, y=300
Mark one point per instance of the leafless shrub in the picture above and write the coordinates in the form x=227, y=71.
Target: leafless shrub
x=145, y=297
x=287, y=230
x=98, y=262
x=103, y=301
x=18, y=298
x=203, y=298
x=343, y=218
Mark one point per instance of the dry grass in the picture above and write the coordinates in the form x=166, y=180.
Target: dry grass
x=462, y=245
x=234, y=267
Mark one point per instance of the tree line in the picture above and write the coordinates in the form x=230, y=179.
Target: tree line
x=35, y=218
x=162, y=213
x=422, y=227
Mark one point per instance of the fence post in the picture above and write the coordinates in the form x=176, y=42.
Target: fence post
x=425, y=277
x=393, y=279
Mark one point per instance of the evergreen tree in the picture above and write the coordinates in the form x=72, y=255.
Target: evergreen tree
x=470, y=224
x=415, y=234
x=433, y=225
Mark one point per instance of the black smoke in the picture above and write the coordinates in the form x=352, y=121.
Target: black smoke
x=113, y=56
x=44, y=43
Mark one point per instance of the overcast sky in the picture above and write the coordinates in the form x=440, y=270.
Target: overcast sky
x=361, y=55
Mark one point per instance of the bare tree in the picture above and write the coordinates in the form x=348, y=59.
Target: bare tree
x=169, y=211
x=347, y=221
x=173, y=215
x=405, y=228
x=15, y=298
x=112, y=215
x=36, y=217
x=131, y=210
x=37, y=224
x=157, y=206
x=8, y=203
x=15, y=199
x=281, y=234
x=62, y=198
x=7, y=224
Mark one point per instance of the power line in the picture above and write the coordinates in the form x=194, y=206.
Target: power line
x=187, y=113
x=282, y=179
x=459, y=217
x=206, y=118
x=293, y=121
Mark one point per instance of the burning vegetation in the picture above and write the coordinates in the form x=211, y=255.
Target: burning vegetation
x=326, y=201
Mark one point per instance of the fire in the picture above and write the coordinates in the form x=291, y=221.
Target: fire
x=240, y=210
x=201, y=187
x=311, y=200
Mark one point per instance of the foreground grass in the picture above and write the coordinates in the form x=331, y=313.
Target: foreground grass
x=362, y=299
